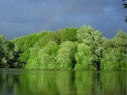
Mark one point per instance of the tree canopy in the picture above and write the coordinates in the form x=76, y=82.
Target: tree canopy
x=70, y=48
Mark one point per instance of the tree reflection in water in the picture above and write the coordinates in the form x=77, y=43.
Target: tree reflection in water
x=62, y=82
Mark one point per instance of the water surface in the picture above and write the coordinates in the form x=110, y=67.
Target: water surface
x=62, y=82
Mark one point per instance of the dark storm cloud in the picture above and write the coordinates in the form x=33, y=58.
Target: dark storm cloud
x=21, y=17
x=89, y=7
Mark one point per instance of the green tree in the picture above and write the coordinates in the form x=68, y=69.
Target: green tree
x=6, y=53
x=50, y=36
x=32, y=62
x=47, y=56
x=25, y=43
x=94, y=40
x=43, y=58
x=68, y=34
x=65, y=55
x=115, y=53
x=83, y=57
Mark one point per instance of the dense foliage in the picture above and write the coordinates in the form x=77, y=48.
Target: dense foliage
x=71, y=48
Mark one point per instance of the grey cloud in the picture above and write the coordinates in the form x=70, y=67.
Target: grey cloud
x=20, y=17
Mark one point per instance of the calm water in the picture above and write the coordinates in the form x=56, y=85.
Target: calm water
x=60, y=82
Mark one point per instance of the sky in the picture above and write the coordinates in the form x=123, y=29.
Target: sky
x=22, y=17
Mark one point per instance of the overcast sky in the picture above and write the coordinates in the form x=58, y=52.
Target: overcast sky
x=22, y=17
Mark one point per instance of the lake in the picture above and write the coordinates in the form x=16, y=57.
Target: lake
x=62, y=82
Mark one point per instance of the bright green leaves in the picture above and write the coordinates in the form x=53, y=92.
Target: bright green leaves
x=68, y=34
x=65, y=55
x=47, y=56
x=84, y=32
x=94, y=40
x=43, y=58
x=83, y=57
x=115, y=53
x=113, y=59
x=24, y=44
x=120, y=39
x=71, y=48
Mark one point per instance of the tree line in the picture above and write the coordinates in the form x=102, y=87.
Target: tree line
x=70, y=48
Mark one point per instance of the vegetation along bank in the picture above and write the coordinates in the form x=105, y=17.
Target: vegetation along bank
x=70, y=48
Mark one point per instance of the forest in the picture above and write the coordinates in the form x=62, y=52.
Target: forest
x=71, y=49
